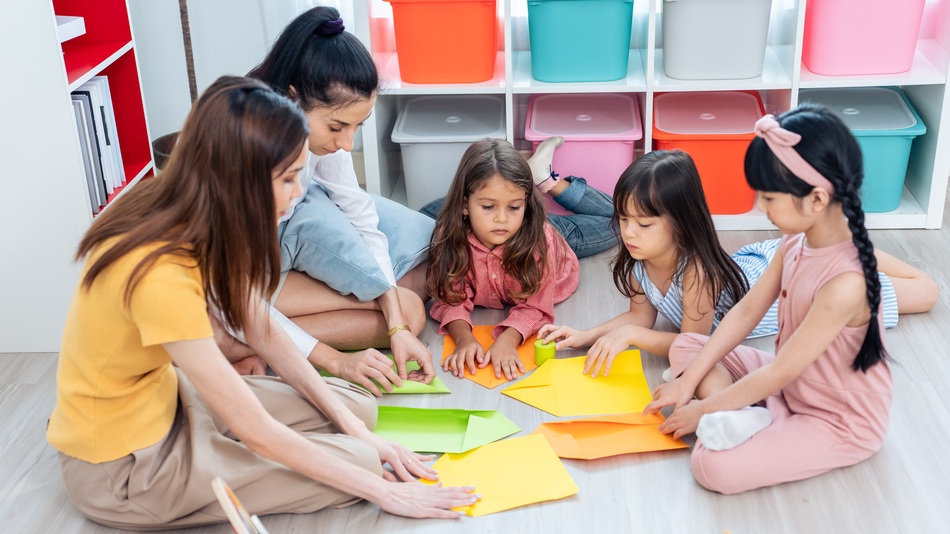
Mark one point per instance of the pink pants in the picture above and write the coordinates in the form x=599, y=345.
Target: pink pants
x=794, y=447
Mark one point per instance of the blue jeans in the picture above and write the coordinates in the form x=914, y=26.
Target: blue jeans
x=587, y=231
x=319, y=240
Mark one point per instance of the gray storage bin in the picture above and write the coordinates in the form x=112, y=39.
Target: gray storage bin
x=715, y=39
x=434, y=131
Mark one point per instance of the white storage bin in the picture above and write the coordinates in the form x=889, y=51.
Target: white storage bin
x=715, y=39
x=434, y=132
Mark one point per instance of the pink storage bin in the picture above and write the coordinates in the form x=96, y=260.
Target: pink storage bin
x=861, y=37
x=599, y=132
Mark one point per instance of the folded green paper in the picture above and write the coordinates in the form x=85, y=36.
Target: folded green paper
x=442, y=429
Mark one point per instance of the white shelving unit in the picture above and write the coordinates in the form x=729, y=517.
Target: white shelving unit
x=783, y=75
x=47, y=207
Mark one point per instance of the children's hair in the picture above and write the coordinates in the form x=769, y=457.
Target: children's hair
x=326, y=66
x=525, y=254
x=827, y=145
x=213, y=204
x=666, y=182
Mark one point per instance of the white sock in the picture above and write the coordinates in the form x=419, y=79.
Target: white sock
x=540, y=161
x=720, y=431
x=667, y=375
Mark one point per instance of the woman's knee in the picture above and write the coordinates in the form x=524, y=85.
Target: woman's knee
x=413, y=309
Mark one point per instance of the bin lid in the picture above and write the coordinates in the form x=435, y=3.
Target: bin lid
x=450, y=119
x=869, y=111
x=590, y=117
x=723, y=114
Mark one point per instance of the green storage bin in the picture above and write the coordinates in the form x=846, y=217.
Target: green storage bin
x=579, y=40
x=885, y=124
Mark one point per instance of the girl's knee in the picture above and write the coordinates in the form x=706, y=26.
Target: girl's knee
x=684, y=349
x=712, y=472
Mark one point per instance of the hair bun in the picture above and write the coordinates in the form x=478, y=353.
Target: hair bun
x=330, y=27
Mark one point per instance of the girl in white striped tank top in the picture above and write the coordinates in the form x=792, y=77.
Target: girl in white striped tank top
x=670, y=262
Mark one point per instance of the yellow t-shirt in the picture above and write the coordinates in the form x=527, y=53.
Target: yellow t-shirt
x=117, y=391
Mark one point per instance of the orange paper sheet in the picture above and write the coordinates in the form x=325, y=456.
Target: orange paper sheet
x=599, y=437
x=486, y=376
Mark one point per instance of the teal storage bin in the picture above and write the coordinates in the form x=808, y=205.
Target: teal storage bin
x=885, y=124
x=579, y=40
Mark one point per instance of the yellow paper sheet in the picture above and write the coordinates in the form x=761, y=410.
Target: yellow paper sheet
x=561, y=388
x=508, y=474
x=486, y=376
x=599, y=437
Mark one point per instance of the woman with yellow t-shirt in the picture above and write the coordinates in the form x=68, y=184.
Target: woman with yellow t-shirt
x=139, y=439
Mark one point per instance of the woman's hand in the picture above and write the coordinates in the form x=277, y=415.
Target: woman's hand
x=676, y=393
x=413, y=499
x=368, y=368
x=468, y=353
x=683, y=420
x=565, y=336
x=407, y=347
x=604, y=350
x=406, y=465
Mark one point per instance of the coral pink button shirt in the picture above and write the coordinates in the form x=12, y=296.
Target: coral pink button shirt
x=488, y=285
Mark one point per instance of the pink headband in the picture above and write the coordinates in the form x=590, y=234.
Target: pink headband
x=780, y=142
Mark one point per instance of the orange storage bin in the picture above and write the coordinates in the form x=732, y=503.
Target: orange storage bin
x=445, y=41
x=715, y=129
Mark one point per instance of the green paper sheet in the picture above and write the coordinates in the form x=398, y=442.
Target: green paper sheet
x=442, y=430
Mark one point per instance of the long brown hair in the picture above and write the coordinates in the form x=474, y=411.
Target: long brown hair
x=525, y=254
x=666, y=182
x=213, y=204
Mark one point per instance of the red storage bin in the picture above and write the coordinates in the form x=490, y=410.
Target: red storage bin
x=715, y=129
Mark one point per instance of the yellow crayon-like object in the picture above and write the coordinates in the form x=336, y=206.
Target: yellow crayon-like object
x=543, y=351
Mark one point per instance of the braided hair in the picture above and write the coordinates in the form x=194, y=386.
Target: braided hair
x=827, y=145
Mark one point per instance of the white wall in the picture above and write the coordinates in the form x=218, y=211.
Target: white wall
x=227, y=37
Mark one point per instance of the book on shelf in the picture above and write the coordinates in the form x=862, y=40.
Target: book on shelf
x=104, y=120
x=89, y=160
x=241, y=520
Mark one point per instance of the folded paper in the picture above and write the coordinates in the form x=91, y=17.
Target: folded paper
x=442, y=430
x=599, y=437
x=561, y=388
x=508, y=474
x=486, y=376
x=410, y=386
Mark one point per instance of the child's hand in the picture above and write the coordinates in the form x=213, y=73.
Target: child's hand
x=467, y=354
x=683, y=420
x=565, y=336
x=677, y=393
x=604, y=350
x=504, y=358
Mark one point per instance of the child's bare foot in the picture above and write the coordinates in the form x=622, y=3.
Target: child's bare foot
x=540, y=163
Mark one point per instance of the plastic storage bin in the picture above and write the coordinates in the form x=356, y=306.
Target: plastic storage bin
x=703, y=40
x=579, y=40
x=885, y=124
x=434, y=132
x=599, y=132
x=860, y=37
x=715, y=129
x=445, y=41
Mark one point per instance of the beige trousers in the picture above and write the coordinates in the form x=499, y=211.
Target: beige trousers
x=168, y=484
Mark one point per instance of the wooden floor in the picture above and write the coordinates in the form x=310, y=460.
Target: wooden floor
x=903, y=488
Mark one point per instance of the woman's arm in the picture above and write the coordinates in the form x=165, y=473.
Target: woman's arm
x=231, y=399
x=839, y=303
x=403, y=342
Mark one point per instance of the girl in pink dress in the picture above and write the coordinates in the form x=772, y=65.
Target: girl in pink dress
x=822, y=400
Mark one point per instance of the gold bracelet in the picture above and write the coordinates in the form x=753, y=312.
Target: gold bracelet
x=398, y=327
